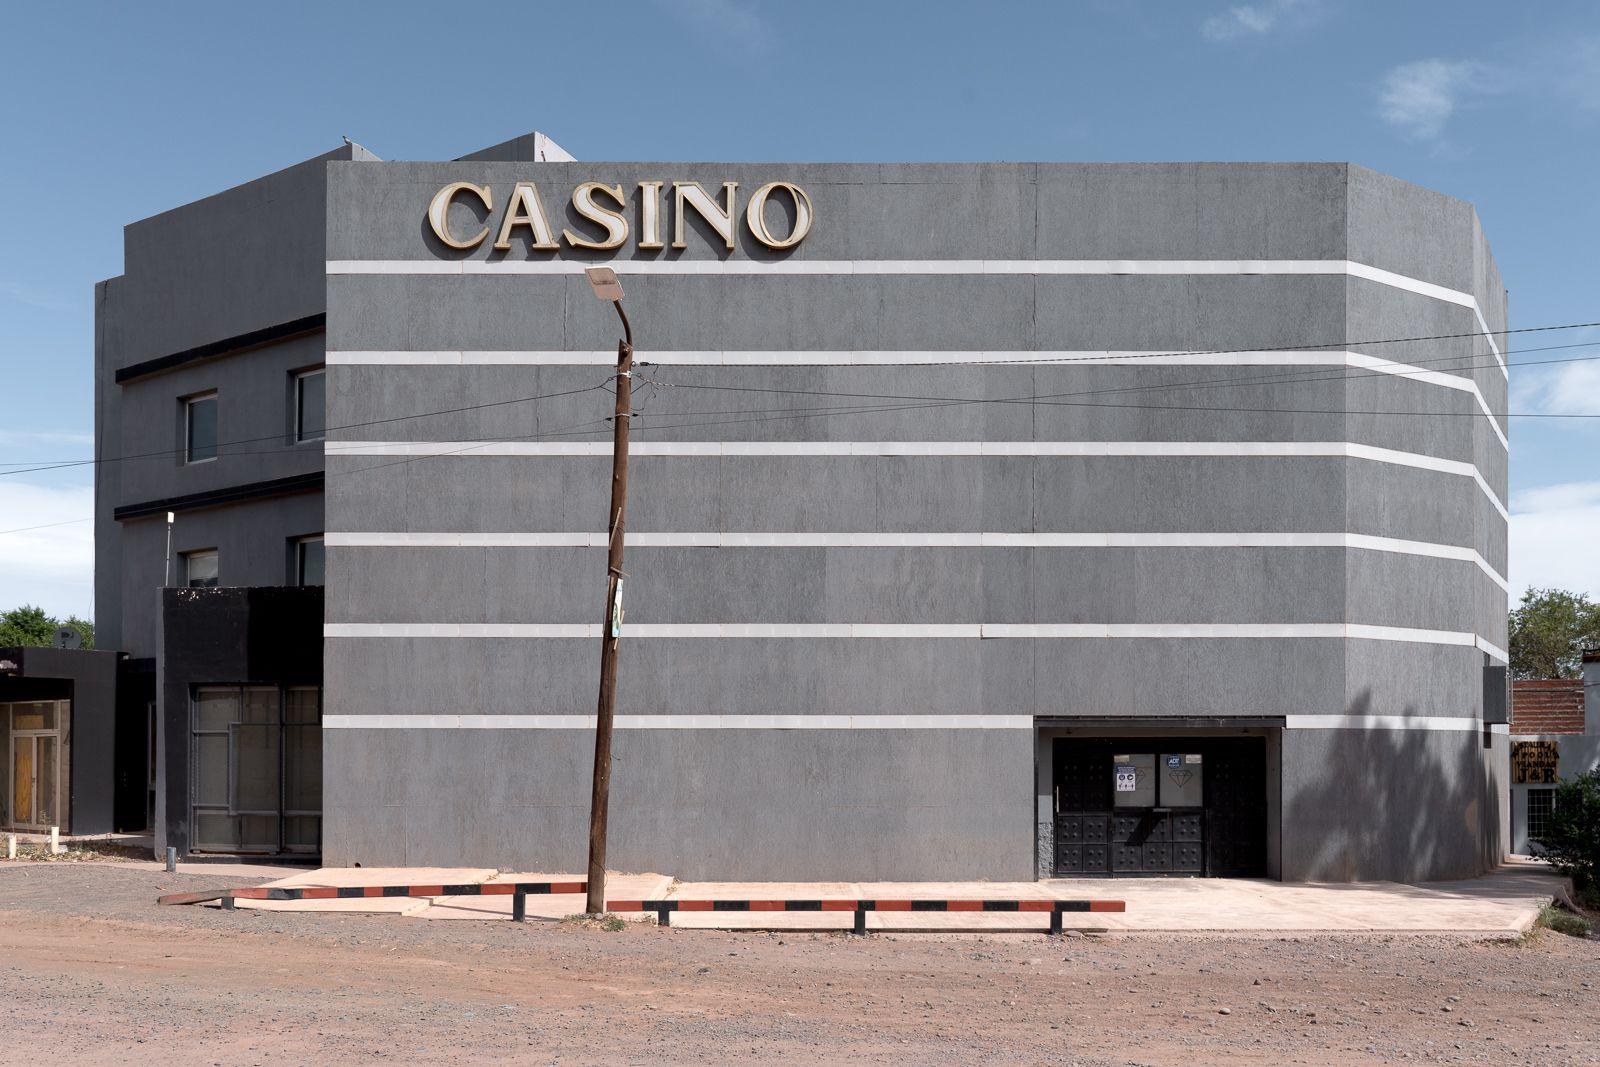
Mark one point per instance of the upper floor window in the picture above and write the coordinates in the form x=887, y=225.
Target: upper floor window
x=310, y=394
x=200, y=567
x=308, y=561
x=200, y=428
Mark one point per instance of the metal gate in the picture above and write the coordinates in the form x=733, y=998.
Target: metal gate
x=257, y=769
x=1160, y=806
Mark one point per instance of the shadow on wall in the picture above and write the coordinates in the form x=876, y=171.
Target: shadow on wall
x=1389, y=805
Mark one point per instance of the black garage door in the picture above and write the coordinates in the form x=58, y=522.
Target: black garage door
x=1162, y=806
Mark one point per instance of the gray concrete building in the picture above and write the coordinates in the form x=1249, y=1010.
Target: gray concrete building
x=986, y=520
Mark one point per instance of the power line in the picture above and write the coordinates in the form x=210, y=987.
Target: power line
x=165, y=452
x=566, y=432
x=1234, y=351
x=46, y=525
x=1047, y=399
x=1275, y=378
x=1267, y=378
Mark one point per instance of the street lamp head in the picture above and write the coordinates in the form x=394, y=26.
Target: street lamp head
x=605, y=283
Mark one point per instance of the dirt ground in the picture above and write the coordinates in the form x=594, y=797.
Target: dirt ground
x=93, y=972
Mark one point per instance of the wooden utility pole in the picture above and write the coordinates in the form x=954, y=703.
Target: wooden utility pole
x=611, y=623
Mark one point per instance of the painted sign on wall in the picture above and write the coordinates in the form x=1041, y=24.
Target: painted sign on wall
x=1535, y=763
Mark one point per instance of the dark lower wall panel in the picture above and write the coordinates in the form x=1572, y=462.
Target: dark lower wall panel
x=1392, y=805
x=226, y=636
x=701, y=804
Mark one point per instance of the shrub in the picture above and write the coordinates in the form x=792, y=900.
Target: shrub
x=1572, y=837
x=1564, y=922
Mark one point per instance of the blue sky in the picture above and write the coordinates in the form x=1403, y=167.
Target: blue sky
x=110, y=112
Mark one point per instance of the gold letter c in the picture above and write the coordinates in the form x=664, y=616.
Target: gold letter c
x=439, y=212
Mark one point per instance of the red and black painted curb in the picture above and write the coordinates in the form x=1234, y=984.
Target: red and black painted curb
x=520, y=891
x=1055, y=908
x=517, y=890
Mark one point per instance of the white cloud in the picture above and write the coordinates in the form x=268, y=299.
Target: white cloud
x=52, y=567
x=1256, y=20
x=1418, y=98
x=738, y=24
x=1555, y=538
x=33, y=296
x=44, y=437
x=1563, y=389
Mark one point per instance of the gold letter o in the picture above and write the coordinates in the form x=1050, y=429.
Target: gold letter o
x=755, y=217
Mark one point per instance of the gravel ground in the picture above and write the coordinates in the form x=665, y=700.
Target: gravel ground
x=93, y=972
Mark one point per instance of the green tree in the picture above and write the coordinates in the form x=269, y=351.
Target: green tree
x=29, y=627
x=85, y=628
x=1571, y=839
x=1550, y=628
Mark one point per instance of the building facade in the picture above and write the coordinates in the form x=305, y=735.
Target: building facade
x=1555, y=736
x=986, y=521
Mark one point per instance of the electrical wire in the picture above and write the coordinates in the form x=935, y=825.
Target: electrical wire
x=1267, y=378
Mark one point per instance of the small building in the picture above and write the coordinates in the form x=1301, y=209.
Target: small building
x=58, y=722
x=1555, y=735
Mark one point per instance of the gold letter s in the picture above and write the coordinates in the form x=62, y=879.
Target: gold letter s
x=615, y=225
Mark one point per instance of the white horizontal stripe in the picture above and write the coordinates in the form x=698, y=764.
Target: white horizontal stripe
x=1387, y=722
x=1208, y=267
x=1436, y=292
x=406, y=539
x=1265, y=449
x=601, y=357
x=1494, y=651
x=830, y=630
x=679, y=722
x=839, y=722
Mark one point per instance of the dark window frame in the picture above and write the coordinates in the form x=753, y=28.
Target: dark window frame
x=297, y=559
x=297, y=420
x=186, y=421
x=1538, y=820
x=216, y=579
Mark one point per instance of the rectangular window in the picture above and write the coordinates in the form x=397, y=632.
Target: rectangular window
x=200, y=568
x=1541, y=804
x=308, y=561
x=200, y=428
x=1182, y=779
x=310, y=396
x=1133, y=777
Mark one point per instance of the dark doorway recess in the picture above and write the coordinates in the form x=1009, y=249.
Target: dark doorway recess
x=1194, y=806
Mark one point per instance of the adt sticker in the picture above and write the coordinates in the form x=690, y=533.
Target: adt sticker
x=1174, y=762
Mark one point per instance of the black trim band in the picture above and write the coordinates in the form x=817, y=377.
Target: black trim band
x=226, y=347
x=233, y=494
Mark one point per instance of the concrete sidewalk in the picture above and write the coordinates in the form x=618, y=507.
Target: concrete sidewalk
x=1504, y=903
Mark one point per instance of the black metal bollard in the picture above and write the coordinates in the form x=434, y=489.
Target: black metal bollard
x=519, y=906
x=1055, y=920
x=663, y=916
x=861, y=922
